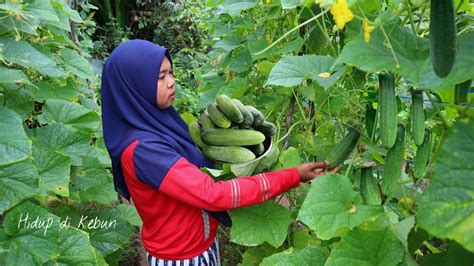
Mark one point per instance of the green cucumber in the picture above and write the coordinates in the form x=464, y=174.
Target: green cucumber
x=422, y=156
x=248, y=117
x=442, y=36
x=418, y=117
x=461, y=92
x=228, y=107
x=267, y=128
x=388, y=110
x=217, y=116
x=195, y=132
x=206, y=122
x=393, y=163
x=369, y=190
x=370, y=120
x=258, y=117
x=232, y=137
x=258, y=149
x=228, y=154
x=344, y=148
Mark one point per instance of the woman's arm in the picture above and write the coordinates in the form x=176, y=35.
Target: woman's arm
x=189, y=184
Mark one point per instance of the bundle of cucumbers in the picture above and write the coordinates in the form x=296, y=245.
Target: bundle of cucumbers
x=231, y=132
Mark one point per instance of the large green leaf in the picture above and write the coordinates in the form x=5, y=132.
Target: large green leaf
x=412, y=53
x=77, y=64
x=255, y=255
x=64, y=140
x=108, y=231
x=234, y=7
x=310, y=256
x=14, y=144
x=332, y=208
x=67, y=10
x=75, y=249
x=292, y=70
x=446, y=210
x=14, y=76
x=53, y=169
x=49, y=90
x=267, y=222
x=68, y=113
x=23, y=54
x=367, y=248
x=17, y=182
x=128, y=213
x=27, y=244
x=43, y=10
x=25, y=22
x=287, y=4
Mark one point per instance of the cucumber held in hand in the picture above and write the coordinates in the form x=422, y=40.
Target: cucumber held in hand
x=267, y=128
x=393, y=163
x=206, y=122
x=229, y=154
x=217, y=116
x=369, y=190
x=418, y=117
x=388, y=110
x=442, y=36
x=228, y=107
x=258, y=117
x=232, y=137
x=248, y=117
x=195, y=132
x=422, y=156
x=258, y=149
x=344, y=148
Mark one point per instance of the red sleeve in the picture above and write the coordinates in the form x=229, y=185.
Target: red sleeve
x=187, y=183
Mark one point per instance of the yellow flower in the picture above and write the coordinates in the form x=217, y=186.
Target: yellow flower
x=341, y=13
x=324, y=75
x=367, y=30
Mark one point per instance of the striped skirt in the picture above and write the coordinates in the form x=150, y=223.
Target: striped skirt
x=210, y=257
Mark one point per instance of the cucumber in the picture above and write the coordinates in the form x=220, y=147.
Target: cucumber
x=369, y=189
x=228, y=107
x=217, y=116
x=232, y=137
x=388, y=110
x=258, y=117
x=206, y=122
x=461, y=92
x=267, y=128
x=248, y=117
x=344, y=148
x=229, y=154
x=422, y=156
x=393, y=163
x=258, y=149
x=418, y=117
x=195, y=132
x=370, y=120
x=442, y=36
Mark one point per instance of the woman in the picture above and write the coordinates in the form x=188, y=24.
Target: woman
x=156, y=163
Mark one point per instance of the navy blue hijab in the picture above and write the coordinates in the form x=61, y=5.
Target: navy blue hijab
x=130, y=112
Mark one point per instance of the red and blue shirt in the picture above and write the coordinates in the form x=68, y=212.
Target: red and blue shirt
x=174, y=224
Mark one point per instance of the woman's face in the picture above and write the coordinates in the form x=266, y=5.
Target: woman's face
x=165, y=91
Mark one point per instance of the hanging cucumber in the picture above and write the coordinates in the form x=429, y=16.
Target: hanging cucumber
x=394, y=162
x=344, y=148
x=442, y=36
x=370, y=120
x=461, y=92
x=422, y=156
x=388, y=110
x=369, y=190
x=418, y=117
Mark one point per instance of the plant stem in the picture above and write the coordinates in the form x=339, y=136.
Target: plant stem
x=435, y=106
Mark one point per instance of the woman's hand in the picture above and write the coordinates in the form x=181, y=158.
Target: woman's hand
x=309, y=171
